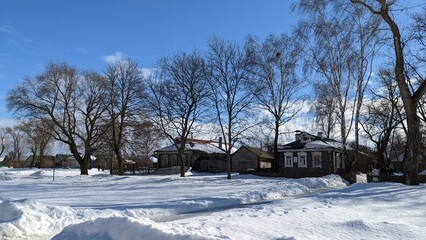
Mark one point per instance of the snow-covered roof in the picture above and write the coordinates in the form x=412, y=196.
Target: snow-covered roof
x=313, y=142
x=153, y=159
x=324, y=144
x=208, y=148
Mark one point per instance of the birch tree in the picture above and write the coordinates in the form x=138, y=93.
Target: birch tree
x=329, y=35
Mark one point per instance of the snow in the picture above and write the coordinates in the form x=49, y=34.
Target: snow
x=318, y=144
x=153, y=159
x=204, y=206
x=208, y=148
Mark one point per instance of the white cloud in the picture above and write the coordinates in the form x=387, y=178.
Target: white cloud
x=6, y=29
x=113, y=58
x=7, y=122
x=148, y=72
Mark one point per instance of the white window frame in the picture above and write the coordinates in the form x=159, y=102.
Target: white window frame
x=300, y=163
x=316, y=164
x=288, y=160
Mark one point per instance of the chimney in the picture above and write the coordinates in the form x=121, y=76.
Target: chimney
x=297, y=136
x=220, y=142
x=320, y=135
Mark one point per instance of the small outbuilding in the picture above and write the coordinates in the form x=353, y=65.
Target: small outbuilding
x=251, y=159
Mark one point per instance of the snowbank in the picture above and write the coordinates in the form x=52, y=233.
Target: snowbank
x=119, y=228
x=30, y=219
x=292, y=187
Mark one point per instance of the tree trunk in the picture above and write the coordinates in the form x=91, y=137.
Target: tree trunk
x=228, y=148
x=84, y=170
x=411, y=166
x=181, y=162
x=276, y=166
x=357, y=122
x=120, y=163
x=343, y=135
x=32, y=161
x=228, y=163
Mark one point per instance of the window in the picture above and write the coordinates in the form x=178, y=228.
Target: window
x=302, y=159
x=288, y=160
x=316, y=160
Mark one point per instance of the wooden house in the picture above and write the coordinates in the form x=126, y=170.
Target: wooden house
x=200, y=155
x=251, y=159
x=15, y=161
x=47, y=161
x=311, y=156
x=66, y=161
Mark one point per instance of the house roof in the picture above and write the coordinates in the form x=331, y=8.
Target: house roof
x=37, y=158
x=195, y=146
x=316, y=143
x=213, y=142
x=259, y=152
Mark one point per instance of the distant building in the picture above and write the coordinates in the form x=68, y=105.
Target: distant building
x=66, y=161
x=47, y=161
x=16, y=162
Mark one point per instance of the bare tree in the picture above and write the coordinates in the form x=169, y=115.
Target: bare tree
x=227, y=71
x=177, y=98
x=329, y=37
x=365, y=33
x=17, y=139
x=38, y=138
x=410, y=98
x=382, y=118
x=125, y=93
x=415, y=60
x=324, y=108
x=274, y=81
x=70, y=104
x=3, y=140
x=146, y=137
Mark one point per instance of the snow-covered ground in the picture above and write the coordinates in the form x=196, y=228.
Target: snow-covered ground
x=204, y=206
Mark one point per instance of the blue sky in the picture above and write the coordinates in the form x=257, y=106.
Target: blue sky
x=88, y=33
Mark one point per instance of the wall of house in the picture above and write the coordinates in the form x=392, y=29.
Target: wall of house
x=212, y=164
x=171, y=160
x=19, y=164
x=47, y=162
x=197, y=160
x=244, y=159
x=328, y=165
